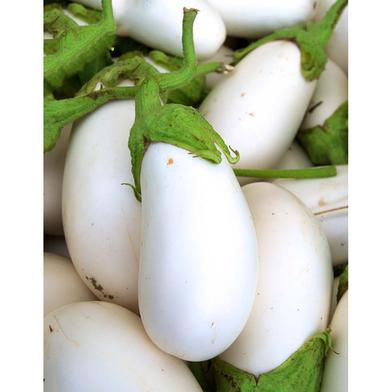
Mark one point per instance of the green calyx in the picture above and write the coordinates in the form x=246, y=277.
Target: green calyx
x=301, y=372
x=311, y=172
x=86, y=14
x=311, y=37
x=174, y=124
x=328, y=143
x=75, y=46
x=58, y=113
x=343, y=283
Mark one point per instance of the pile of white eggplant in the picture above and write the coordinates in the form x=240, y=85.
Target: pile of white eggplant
x=197, y=246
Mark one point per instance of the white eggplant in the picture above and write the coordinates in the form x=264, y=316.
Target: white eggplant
x=331, y=92
x=295, y=158
x=101, y=216
x=337, y=47
x=255, y=18
x=100, y=347
x=198, y=263
x=335, y=378
x=157, y=23
x=295, y=281
x=260, y=105
x=62, y=285
x=328, y=200
x=53, y=180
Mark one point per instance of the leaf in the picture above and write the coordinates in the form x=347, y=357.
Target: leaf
x=343, y=283
x=301, y=372
x=58, y=113
x=328, y=143
x=77, y=45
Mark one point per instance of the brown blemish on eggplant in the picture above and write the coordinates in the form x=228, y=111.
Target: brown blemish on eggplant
x=99, y=287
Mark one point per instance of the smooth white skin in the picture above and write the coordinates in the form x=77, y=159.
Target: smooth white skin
x=295, y=281
x=328, y=200
x=255, y=18
x=158, y=24
x=53, y=180
x=331, y=91
x=62, y=285
x=101, y=216
x=337, y=47
x=259, y=106
x=56, y=244
x=295, y=158
x=198, y=263
x=335, y=377
x=101, y=347
x=223, y=55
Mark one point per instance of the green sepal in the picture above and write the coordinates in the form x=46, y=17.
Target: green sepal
x=201, y=371
x=175, y=124
x=301, y=372
x=58, y=113
x=76, y=45
x=88, y=15
x=328, y=143
x=343, y=283
x=311, y=38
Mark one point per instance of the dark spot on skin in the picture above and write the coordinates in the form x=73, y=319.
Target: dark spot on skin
x=95, y=284
x=251, y=114
x=170, y=161
x=50, y=329
x=162, y=370
x=315, y=106
x=341, y=244
x=297, y=310
x=92, y=224
x=212, y=324
x=242, y=94
x=258, y=293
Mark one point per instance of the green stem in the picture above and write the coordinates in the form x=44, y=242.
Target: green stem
x=312, y=172
x=205, y=69
x=184, y=75
x=310, y=37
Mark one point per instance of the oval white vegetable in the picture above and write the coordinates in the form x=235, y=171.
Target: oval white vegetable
x=259, y=106
x=295, y=158
x=62, y=285
x=101, y=216
x=101, y=347
x=56, y=244
x=53, y=181
x=335, y=378
x=295, y=281
x=158, y=24
x=331, y=92
x=337, y=47
x=328, y=200
x=198, y=263
x=255, y=18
